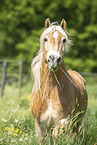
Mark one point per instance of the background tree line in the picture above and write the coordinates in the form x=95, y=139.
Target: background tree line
x=22, y=22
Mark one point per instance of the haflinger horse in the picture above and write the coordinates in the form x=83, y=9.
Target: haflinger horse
x=57, y=93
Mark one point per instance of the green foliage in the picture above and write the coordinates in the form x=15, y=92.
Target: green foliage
x=29, y=47
x=81, y=65
x=21, y=23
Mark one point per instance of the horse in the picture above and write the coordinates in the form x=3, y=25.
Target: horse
x=57, y=93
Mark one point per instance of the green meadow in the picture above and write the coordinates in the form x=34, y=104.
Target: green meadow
x=17, y=122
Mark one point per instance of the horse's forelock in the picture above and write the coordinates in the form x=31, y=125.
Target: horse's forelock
x=53, y=28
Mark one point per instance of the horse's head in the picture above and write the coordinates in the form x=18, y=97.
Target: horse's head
x=54, y=44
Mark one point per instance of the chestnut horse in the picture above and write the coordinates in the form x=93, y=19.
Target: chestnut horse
x=57, y=92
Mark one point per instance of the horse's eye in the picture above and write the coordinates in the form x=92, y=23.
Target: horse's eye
x=45, y=39
x=64, y=40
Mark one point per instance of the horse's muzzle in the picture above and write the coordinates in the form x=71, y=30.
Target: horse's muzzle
x=53, y=62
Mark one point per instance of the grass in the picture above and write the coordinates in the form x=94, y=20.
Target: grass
x=17, y=122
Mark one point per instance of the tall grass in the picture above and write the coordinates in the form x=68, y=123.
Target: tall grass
x=17, y=122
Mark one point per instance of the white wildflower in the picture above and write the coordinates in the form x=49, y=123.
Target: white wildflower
x=4, y=120
x=12, y=141
x=1, y=139
x=20, y=139
x=16, y=121
x=31, y=136
x=12, y=126
x=25, y=138
x=18, y=105
x=9, y=132
x=7, y=140
x=14, y=110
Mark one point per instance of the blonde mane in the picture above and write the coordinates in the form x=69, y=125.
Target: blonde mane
x=36, y=65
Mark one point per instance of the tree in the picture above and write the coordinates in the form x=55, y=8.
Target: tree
x=22, y=22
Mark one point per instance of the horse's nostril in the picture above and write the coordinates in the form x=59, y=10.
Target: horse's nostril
x=58, y=60
x=48, y=60
x=51, y=58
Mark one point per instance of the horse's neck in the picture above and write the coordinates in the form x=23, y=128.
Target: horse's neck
x=56, y=78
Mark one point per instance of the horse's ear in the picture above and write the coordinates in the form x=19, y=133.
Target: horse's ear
x=63, y=24
x=47, y=23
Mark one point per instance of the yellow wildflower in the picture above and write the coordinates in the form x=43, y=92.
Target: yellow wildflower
x=14, y=134
x=13, y=129
x=17, y=130
x=8, y=128
x=29, y=97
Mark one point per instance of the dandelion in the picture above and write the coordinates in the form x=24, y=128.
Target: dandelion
x=13, y=129
x=14, y=134
x=29, y=97
x=4, y=120
x=23, y=134
x=8, y=128
x=17, y=130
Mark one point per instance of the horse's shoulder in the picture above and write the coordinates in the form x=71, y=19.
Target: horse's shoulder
x=76, y=77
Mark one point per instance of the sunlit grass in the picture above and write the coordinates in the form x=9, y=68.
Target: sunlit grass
x=17, y=122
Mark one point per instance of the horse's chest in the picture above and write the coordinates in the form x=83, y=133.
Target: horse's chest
x=48, y=118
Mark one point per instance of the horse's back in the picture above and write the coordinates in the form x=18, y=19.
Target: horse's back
x=80, y=83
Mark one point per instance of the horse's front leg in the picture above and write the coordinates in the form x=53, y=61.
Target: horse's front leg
x=59, y=128
x=39, y=132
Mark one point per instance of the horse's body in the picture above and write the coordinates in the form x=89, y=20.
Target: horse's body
x=57, y=92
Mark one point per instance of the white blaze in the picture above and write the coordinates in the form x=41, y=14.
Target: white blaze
x=55, y=35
